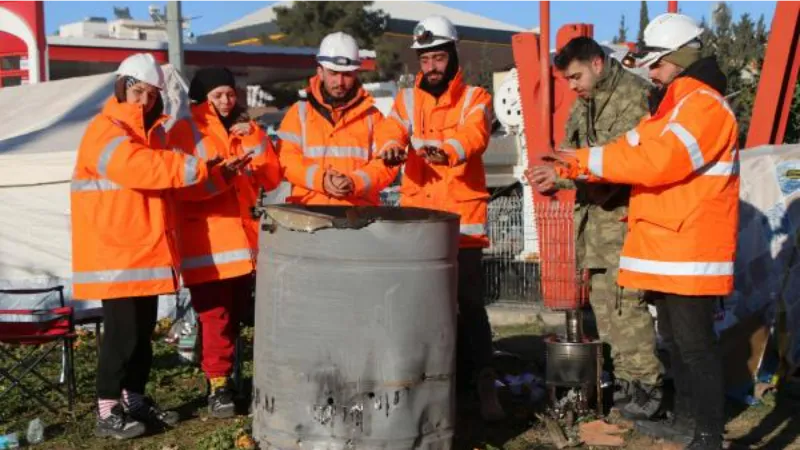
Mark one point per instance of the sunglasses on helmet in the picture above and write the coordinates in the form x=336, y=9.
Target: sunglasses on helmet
x=424, y=37
x=641, y=52
x=339, y=60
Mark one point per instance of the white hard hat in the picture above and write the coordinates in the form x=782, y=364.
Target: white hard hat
x=143, y=67
x=339, y=52
x=433, y=31
x=665, y=34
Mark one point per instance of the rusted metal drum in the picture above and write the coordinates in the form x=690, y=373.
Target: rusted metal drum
x=355, y=328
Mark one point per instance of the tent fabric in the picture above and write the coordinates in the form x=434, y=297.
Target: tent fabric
x=39, y=137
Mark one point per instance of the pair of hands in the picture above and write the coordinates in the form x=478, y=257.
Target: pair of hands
x=337, y=184
x=232, y=167
x=394, y=156
x=241, y=129
x=543, y=177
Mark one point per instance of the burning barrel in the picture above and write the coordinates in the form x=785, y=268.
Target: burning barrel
x=355, y=328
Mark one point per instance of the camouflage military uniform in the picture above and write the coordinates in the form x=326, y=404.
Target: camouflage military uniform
x=623, y=321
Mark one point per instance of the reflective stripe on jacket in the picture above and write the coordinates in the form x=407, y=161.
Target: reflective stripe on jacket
x=218, y=237
x=458, y=122
x=683, y=216
x=315, y=137
x=123, y=229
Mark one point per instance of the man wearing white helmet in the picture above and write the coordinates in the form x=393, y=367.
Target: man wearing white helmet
x=446, y=124
x=326, y=139
x=123, y=230
x=683, y=216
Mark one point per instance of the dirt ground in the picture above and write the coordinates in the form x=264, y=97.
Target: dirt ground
x=774, y=424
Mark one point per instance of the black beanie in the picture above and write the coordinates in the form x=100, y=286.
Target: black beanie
x=208, y=79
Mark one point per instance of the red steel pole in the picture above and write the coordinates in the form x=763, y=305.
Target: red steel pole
x=546, y=80
x=672, y=6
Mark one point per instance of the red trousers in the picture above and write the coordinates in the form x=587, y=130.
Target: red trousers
x=221, y=307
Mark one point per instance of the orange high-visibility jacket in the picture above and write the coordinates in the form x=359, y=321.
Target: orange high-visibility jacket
x=314, y=137
x=123, y=224
x=458, y=122
x=683, y=215
x=218, y=237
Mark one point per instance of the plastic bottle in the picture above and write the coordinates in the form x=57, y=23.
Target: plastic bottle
x=9, y=441
x=35, y=433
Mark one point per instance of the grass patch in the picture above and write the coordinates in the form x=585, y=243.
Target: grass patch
x=182, y=387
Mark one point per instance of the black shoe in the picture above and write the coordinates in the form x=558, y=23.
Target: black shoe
x=220, y=404
x=674, y=429
x=118, y=425
x=705, y=441
x=150, y=413
x=645, y=403
x=623, y=391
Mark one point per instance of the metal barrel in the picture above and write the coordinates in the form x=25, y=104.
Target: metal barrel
x=355, y=328
x=571, y=364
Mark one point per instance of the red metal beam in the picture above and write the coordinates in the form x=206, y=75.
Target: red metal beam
x=238, y=59
x=99, y=54
x=193, y=57
x=672, y=6
x=546, y=80
x=778, y=77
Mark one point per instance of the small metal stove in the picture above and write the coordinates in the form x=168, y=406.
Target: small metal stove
x=574, y=363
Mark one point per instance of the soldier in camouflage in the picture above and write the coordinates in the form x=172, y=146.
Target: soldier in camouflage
x=610, y=102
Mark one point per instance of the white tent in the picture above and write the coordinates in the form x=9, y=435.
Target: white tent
x=41, y=127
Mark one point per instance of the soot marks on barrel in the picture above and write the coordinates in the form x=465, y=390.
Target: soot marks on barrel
x=263, y=399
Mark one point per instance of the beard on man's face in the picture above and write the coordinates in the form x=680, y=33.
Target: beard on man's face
x=434, y=77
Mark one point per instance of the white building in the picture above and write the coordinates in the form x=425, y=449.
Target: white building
x=122, y=27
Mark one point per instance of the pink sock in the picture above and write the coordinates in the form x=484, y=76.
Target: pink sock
x=104, y=407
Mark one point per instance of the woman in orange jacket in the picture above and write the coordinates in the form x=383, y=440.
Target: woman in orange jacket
x=218, y=236
x=123, y=247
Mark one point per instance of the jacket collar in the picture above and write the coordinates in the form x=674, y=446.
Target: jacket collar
x=129, y=116
x=703, y=73
x=360, y=102
x=453, y=92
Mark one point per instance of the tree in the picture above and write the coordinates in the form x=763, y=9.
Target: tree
x=485, y=76
x=622, y=34
x=644, y=20
x=793, y=126
x=306, y=23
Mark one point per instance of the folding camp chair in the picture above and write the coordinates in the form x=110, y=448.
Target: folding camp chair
x=39, y=333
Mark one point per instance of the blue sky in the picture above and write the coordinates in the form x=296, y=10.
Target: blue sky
x=604, y=15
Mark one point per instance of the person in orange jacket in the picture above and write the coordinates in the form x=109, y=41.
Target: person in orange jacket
x=683, y=218
x=123, y=237
x=447, y=124
x=326, y=139
x=218, y=236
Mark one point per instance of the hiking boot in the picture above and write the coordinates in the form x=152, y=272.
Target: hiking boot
x=675, y=429
x=220, y=403
x=705, y=441
x=118, y=425
x=149, y=412
x=623, y=391
x=491, y=410
x=645, y=402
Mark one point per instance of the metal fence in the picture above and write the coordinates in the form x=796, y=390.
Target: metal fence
x=507, y=277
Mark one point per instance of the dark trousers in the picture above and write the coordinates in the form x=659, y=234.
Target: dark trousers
x=474, y=344
x=126, y=352
x=686, y=324
x=221, y=307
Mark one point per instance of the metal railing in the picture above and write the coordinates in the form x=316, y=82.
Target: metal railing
x=507, y=275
